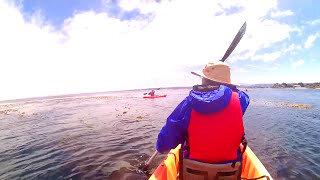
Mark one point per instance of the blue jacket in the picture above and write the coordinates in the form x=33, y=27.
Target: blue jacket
x=174, y=132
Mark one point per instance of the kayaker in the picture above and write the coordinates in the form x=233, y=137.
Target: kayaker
x=151, y=93
x=208, y=122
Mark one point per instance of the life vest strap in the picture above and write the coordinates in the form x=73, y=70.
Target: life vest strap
x=244, y=143
x=195, y=169
x=267, y=177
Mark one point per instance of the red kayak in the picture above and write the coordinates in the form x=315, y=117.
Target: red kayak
x=155, y=96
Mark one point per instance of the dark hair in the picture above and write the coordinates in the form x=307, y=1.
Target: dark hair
x=208, y=82
x=209, y=85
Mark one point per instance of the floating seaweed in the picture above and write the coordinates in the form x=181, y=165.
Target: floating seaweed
x=282, y=104
x=299, y=106
x=7, y=111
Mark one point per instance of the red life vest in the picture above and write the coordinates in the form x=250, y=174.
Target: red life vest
x=215, y=138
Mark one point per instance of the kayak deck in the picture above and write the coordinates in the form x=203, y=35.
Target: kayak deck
x=251, y=166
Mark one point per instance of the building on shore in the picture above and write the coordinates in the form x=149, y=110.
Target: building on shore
x=298, y=87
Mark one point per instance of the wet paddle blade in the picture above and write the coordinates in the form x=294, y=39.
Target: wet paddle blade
x=235, y=41
x=144, y=166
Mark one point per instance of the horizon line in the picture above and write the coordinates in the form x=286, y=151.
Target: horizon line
x=100, y=92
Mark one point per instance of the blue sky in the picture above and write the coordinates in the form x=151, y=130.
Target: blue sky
x=56, y=11
x=54, y=47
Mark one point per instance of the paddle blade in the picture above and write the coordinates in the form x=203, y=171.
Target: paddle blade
x=145, y=166
x=235, y=41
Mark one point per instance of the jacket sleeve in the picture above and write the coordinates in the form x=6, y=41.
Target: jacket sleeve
x=175, y=130
x=244, y=101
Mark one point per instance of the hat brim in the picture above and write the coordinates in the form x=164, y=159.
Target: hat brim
x=200, y=74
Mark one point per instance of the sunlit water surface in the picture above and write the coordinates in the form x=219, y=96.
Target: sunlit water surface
x=93, y=136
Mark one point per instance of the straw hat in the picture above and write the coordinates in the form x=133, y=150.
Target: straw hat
x=217, y=71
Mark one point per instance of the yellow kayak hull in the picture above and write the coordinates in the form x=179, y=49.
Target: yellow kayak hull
x=169, y=167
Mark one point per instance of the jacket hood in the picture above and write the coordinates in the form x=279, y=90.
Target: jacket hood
x=210, y=102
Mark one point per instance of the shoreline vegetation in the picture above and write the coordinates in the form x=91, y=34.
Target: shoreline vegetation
x=297, y=85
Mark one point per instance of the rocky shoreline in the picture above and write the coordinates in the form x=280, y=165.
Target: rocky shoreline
x=297, y=85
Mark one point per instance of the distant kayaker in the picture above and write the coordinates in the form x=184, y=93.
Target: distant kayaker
x=208, y=123
x=151, y=93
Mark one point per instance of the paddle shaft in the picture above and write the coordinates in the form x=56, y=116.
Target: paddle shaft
x=151, y=158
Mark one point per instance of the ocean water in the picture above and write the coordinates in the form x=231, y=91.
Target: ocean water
x=99, y=136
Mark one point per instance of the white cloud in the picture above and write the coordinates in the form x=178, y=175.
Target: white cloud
x=281, y=13
x=95, y=52
x=268, y=57
x=145, y=6
x=297, y=63
x=239, y=70
x=292, y=47
x=253, y=66
x=274, y=68
x=310, y=40
x=314, y=22
x=264, y=37
x=262, y=67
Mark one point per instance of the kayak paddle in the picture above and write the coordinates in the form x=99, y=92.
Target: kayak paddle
x=144, y=167
x=235, y=41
